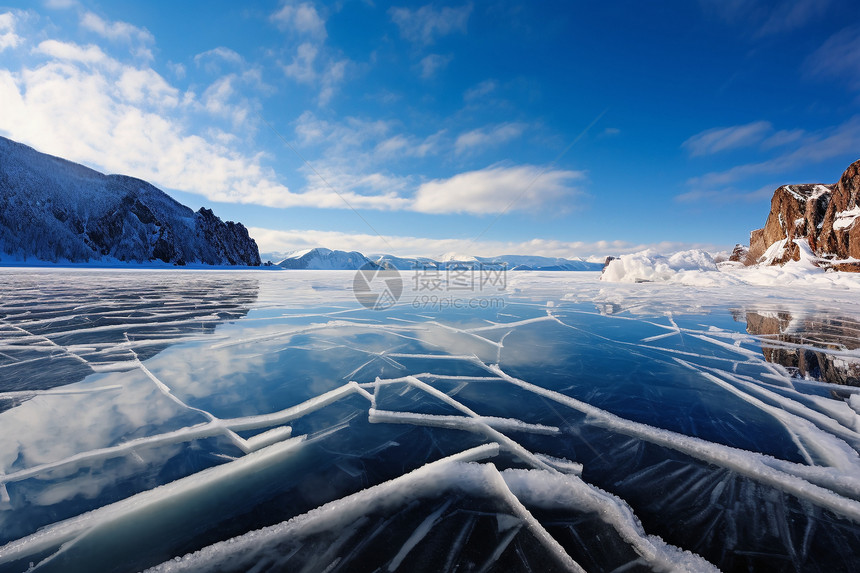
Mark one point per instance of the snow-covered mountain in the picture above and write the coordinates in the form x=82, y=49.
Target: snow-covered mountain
x=325, y=259
x=511, y=262
x=54, y=210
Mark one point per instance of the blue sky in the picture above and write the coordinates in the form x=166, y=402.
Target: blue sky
x=555, y=128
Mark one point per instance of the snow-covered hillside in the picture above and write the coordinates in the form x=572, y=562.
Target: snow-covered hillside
x=327, y=259
x=55, y=210
x=324, y=260
x=511, y=262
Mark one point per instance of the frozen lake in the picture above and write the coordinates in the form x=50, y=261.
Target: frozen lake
x=267, y=421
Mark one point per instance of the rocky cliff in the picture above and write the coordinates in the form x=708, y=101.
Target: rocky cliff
x=55, y=210
x=820, y=218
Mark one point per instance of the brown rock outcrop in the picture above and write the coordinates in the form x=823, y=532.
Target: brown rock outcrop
x=826, y=216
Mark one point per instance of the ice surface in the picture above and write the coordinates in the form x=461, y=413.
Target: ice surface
x=237, y=421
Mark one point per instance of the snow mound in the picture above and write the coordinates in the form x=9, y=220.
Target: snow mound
x=689, y=267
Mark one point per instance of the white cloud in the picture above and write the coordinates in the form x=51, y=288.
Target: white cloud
x=433, y=63
x=489, y=136
x=8, y=37
x=721, y=139
x=427, y=23
x=68, y=51
x=493, y=189
x=279, y=242
x=85, y=106
x=302, y=18
x=484, y=88
x=115, y=30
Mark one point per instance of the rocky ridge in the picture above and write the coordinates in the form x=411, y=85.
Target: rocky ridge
x=55, y=210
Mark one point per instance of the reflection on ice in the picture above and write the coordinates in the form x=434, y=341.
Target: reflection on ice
x=822, y=348
x=91, y=321
x=308, y=433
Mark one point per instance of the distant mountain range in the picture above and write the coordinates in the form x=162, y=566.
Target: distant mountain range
x=55, y=210
x=327, y=259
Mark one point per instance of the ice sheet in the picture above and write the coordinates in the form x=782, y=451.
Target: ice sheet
x=310, y=433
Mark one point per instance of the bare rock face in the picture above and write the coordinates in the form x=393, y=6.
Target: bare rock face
x=825, y=216
x=840, y=230
x=740, y=254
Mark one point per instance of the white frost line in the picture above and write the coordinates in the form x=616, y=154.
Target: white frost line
x=460, y=422
x=432, y=479
x=467, y=357
x=509, y=444
x=58, y=534
x=532, y=524
x=466, y=332
x=570, y=492
x=661, y=336
x=503, y=325
x=828, y=422
x=745, y=463
x=831, y=449
x=288, y=414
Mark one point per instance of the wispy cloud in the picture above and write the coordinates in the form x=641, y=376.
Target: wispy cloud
x=838, y=58
x=115, y=30
x=212, y=59
x=309, y=68
x=480, y=90
x=724, y=138
x=727, y=196
x=765, y=17
x=809, y=149
x=276, y=243
x=483, y=138
x=8, y=37
x=302, y=18
x=433, y=63
x=794, y=148
x=792, y=15
x=426, y=24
